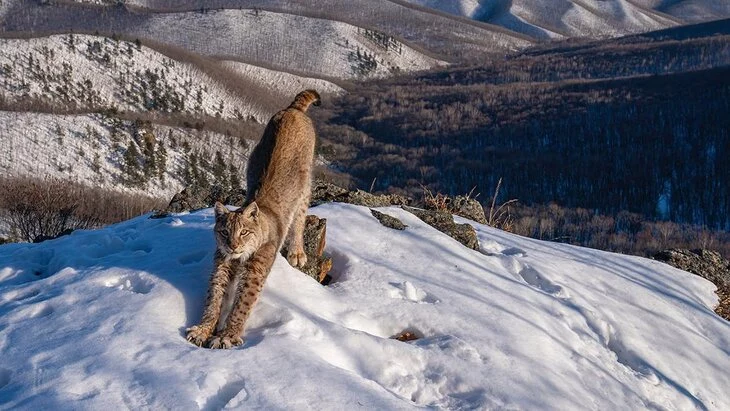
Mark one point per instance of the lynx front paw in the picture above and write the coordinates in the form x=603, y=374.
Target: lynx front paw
x=224, y=342
x=297, y=258
x=198, y=335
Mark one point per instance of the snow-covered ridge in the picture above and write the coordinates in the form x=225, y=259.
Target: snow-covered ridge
x=93, y=71
x=563, y=18
x=97, y=319
x=281, y=83
x=318, y=47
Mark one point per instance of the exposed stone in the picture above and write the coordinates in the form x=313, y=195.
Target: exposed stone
x=388, y=220
x=468, y=208
x=323, y=192
x=444, y=222
x=463, y=206
x=315, y=232
x=405, y=336
x=196, y=197
x=707, y=264
x=42, y=238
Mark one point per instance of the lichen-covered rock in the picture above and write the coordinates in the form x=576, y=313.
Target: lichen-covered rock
x=444, y=222
x=315, y=232
x=468, y=208
x=707, y=264
x=388, y=220
x=196, y=197
x=323, y=192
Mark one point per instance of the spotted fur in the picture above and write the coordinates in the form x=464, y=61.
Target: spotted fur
x=248, y=239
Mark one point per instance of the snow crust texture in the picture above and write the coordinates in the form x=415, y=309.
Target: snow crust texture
x=96, y=320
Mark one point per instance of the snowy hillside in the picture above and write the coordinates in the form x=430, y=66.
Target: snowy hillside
x=315, y=47
x=96, y=320
x=564, y=18
x=107, y=152
x=92, y=71
x=279, y=83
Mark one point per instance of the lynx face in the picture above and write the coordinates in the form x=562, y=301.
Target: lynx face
x=237, y=233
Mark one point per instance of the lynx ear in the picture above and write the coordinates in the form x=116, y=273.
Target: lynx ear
x=251, y=211
x=220, y=209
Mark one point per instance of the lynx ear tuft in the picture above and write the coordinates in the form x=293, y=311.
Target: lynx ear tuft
x=220, y=209
x=251, y=211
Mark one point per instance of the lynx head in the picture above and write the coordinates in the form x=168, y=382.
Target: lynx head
x=237, y=233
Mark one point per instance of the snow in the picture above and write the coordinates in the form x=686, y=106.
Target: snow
x=116, y=73
x=279, y=82
x=97, y=318
x=317, y=47
x=559, y=18
x=89, y=149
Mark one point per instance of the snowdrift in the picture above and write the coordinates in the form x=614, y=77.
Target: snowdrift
x=96, y=320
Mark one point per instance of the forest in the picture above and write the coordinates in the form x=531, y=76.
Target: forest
x=638, y=125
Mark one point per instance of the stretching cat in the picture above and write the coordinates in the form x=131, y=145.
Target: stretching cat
x=279, y=185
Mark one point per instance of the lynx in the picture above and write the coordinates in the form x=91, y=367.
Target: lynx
x=248, y=239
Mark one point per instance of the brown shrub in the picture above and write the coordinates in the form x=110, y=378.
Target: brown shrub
x=37, y=209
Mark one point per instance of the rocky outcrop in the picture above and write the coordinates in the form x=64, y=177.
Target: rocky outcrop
x=444, y=222
x=315, y=232
x=196, y=197
x=468, y=208
x=707, y=264
x=388, y=220
x=463, y=206
x=323, y=192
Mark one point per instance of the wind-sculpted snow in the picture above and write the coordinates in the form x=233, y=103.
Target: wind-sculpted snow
x=97, y=318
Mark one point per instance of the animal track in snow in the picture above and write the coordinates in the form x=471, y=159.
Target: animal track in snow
x=5, y=376
x=453, y=346
x=537, y=280
x=193, y=258
x=142, y=246
x=133, y=283
x=231, y=394
x=514, y=251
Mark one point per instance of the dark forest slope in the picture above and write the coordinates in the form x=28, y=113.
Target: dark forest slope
x=637, y=124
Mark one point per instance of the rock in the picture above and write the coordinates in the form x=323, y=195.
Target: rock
x=196, y=197
x=42, y=238
x=315, y=232
x=388, y=220
x=707, y=264
x=468, y=208
x=444, y=222
x=463, y=206
x=405, y=336
x=323, y=192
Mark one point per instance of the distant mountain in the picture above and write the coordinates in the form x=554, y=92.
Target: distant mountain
x=583, y=18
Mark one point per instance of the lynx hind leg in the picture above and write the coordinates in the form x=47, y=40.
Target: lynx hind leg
x=257, y=269
x=295, y=237
x=201, y=333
